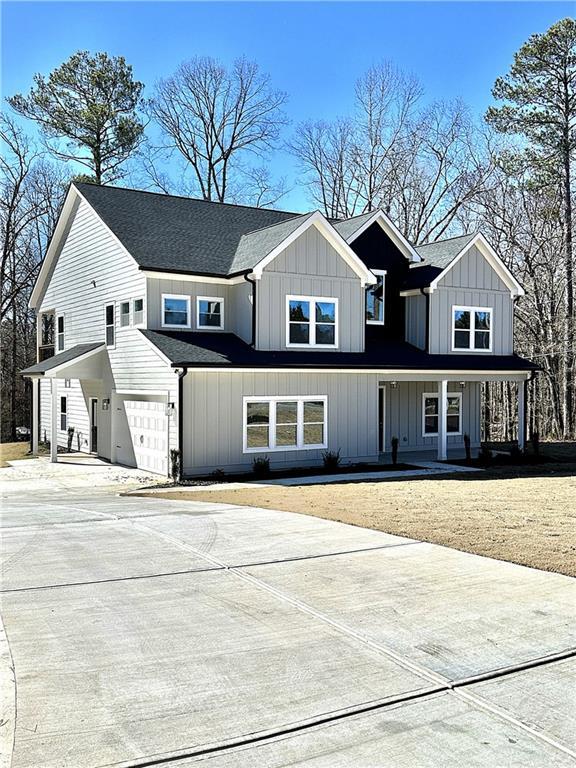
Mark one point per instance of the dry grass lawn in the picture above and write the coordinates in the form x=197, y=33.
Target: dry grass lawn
x=14, y=452
x=526, y=517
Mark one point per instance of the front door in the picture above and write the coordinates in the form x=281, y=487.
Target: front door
x=93, y=425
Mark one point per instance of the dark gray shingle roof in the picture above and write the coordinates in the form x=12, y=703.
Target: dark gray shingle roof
x=255, y=246
x=194, y=349
x=62, y=357
x=180, y=234
x=441, y=253
x=347, y=227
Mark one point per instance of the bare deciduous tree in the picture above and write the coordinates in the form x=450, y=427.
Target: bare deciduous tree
x=215, y=117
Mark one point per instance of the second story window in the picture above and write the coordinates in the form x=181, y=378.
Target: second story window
x=375, y=300
x=175, y=311
x=124, y=314
x=110, y=329
x=60, y=333
x=210, y=313
x=46, y=347
x=472, y=329
x=312, y=322
x=138, y=311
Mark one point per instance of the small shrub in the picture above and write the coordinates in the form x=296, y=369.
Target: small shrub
x=536, y=443
x=485, y=455
x=175, y=468
x=70, y=438
x=515, y=451
x=394, y=442
x=467, y=447
x=331, y=460
x=261, y=466
x=218, y=474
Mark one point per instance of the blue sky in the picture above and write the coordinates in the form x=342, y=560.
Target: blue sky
x=314, y=51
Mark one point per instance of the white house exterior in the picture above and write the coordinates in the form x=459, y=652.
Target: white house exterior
x=229, y=332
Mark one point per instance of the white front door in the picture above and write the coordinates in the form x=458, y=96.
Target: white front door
x=147, y=431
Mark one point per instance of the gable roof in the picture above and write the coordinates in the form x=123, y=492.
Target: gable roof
x=255, y=246
x=441, y=253
x=168, y=233
x=352, y=228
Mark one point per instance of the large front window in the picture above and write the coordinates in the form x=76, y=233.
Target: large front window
x=312, y=322
x=431, y=414
x=375, y=300
x=284, y=423
x=175, y=311
x=471, y=329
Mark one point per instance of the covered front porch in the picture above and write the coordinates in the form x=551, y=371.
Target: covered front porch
x=430, y=417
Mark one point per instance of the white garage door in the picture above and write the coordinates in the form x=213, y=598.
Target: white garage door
x=148, y=425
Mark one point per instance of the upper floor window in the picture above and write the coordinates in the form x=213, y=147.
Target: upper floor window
x=312, y=322
x=375, y=299
x=175, y=311
x=124, y=313
x=46, y=346
x=109, y=316
x=60, y=333
x=284, y=423
x=138, y=311
x=430, y=414
x=472, y=329
x=209, y=313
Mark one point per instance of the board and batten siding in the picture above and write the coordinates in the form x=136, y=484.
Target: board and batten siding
x=404, y=415
x=309, y=266
x=472, y=282
x=415, y=320
x=92, y=270
x=213, y=414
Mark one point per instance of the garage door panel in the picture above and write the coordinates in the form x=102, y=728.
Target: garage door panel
x=147, y=433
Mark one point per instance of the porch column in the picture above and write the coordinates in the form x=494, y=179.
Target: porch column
x=54, y=433
x=442, y=413
x=521, y=415
x=35, y=426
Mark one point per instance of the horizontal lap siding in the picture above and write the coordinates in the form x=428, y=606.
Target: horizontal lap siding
x=404, y=415
x=90, y=255
x=309, y=267
x=77, y=395
x=213, y=413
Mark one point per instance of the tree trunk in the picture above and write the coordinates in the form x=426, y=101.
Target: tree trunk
x=569, y=331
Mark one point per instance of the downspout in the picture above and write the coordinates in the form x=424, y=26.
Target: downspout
x=253, y=284
x=427, y=297
x=181, y=375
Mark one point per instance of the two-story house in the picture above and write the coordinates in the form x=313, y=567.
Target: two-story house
x=229, y=333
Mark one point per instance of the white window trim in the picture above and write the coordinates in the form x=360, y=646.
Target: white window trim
x=312, y=343
x=132, y=302
x=129, y=324
x=472, y=310
x=62, y=413
x=56, y=334
x=181, y=298
x=272, y=400
x=106, y=325
x=209, y=327
x=381, y=272
x=437, y=397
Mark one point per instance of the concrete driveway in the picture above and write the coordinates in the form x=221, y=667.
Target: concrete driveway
x=147, y=632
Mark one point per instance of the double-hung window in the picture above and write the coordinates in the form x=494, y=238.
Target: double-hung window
x=63, y=414
x=375, y=299
x=175, y=311
x=311, y=322
x=60, y=333
x=110, y=323
x=138, y=311
x=431, y=414
x=124, y=314
x=209, y=313
x=472, y=329
x=284, y=423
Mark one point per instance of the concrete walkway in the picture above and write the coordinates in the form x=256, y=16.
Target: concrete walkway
x=153, y=632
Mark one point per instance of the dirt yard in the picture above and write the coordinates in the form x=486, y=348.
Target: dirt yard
x=526, y=517
x=14, y=452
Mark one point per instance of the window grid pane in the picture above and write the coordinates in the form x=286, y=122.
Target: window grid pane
x=284, y=424
x=312, y=322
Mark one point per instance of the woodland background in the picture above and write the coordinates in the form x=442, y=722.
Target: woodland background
x=208, y=130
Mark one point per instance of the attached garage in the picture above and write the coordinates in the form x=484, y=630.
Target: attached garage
x=141, y=433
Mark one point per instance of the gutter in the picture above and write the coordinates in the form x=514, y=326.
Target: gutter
x=253, y=284
x=181, y=375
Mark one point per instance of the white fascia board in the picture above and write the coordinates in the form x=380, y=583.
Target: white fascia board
x=392, y=231
x=492, y=258
x=74, y=361
x=334, y=238
x=414, y=292
x=184, y=277
x=384, y=372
